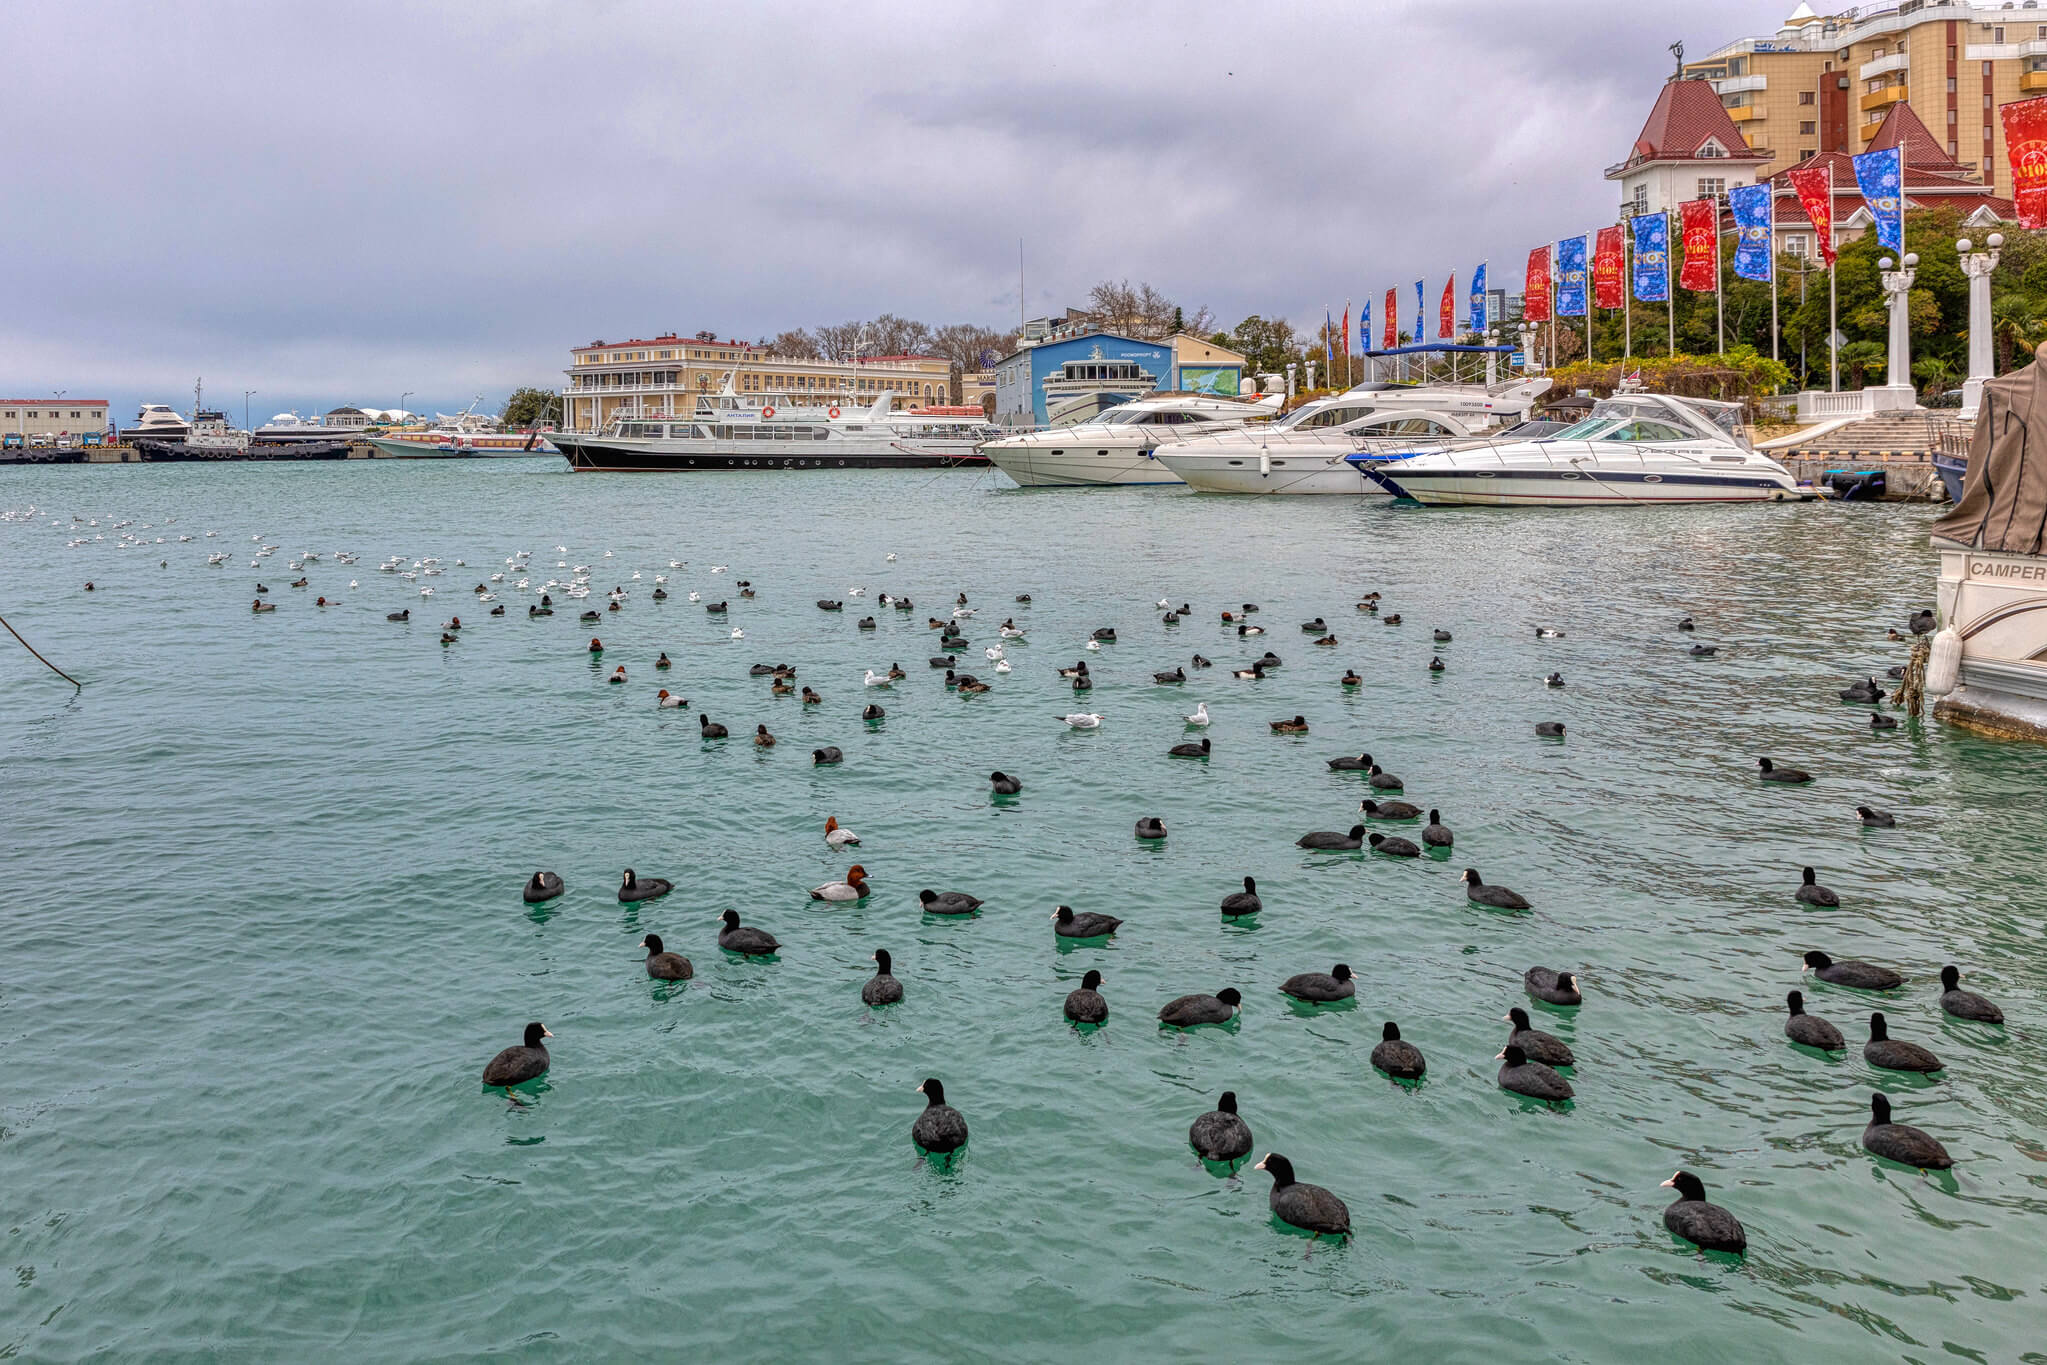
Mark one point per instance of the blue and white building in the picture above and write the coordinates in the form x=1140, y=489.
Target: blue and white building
x=1097, y=362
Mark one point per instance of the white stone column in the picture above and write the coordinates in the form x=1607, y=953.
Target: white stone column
x=1897, y=281
x=1528, y=332
x=1978, y=265
x=1492, y=358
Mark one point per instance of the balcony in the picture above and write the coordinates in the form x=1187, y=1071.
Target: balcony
x=2033, y=80
x=1884, y=98
x=1897, y=61
x=1736, y=85
x=1745, y=113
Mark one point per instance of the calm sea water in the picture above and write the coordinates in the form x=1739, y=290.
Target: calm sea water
x=264, y=929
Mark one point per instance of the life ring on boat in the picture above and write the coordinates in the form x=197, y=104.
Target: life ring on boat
x=768, y=411
x=831, y=412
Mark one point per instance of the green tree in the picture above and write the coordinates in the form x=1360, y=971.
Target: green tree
x=527, y=406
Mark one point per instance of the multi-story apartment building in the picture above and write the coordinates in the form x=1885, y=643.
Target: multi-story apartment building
x=1823, y=83
x=664, y=375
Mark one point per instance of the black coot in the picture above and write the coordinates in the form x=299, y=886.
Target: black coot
x=1549, y=729
x=1538, y=1046
x=1692, y=1218
x=1810, y=1029
x=1498, y=897
x=1397, y=1057
x=948, y=902
x=1189, y=750
x=1772, y=773
x=872, y=712
x=1308, y=1207
x=1220, y=1135
x=1556, y=988
x=747, y=942
x=1393, y=846
x=827, y=755
x=940, y=1128
x=1322, y=987
x=1876, y=819
x=1086, y=1005
x=1067, y=924
x=1002, y=784
x=1965, y=1004
x=516, y=1064
x=1389, y=810
x=1532, y=1079
x=1381, y=780
x=665, y=966
x=1245, y=902
x=882, y=988
x=1190, y=1010
x=633, y=887
x=1435, y=833
x=545, y=886
x=1812, y=893
x=1361, y=763
x=1894, y=1054
x=710, y=729
x=1151, y=827
x=1901, y=1142
x=1330, y=839
x=1864, y=976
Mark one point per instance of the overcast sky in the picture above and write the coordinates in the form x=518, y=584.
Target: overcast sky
x=336, y=202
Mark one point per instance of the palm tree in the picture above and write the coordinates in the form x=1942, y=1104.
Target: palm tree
x=1934, y=374
x=2015, y=325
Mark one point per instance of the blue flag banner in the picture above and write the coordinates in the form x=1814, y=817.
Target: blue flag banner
x=1478, y=308
x=1753, y=223
x=1365, y=325
x=1421, y=313
x=1879, y=175
x=1652, y=257
x=1572, y=277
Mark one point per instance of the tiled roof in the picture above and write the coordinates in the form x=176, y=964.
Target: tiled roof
x=1903, y=128
x=1687, y=113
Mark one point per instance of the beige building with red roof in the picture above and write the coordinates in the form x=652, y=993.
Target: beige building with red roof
x=1826, y=83
x=1689, y=148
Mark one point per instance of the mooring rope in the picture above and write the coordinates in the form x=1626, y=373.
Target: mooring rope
x=46, y=663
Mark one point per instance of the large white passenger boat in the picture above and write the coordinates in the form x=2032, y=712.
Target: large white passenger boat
x=1309, y=450
x=1633, y=449
x=726, y=434
x=1117, y=447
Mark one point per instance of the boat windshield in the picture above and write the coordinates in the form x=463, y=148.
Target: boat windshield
x=1621, y=429
x=1335, y=415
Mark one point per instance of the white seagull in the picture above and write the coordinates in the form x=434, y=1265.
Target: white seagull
x=875, y=679
x=1200, y=716
x=1083, y=720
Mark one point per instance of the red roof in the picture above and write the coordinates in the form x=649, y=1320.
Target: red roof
x=1687, y=114
x=1903, y=128
x=663, y=341
x=58, y=402
x=870, y=359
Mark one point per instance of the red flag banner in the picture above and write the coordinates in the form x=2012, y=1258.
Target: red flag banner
x=1815, y=189
x=1606, y=268
x=1392, y=325
x=1701, y=270
x=2025, y=143
x=1346, y=327
x=1535, y=290
x=1446, y=312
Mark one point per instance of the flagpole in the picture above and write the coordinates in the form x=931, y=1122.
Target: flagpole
x=1669, y=290
x=1627, y=296
x=1552, y=305
x=1833, y=295
x=1719, y=308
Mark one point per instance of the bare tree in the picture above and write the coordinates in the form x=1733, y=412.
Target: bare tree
x=794, y=345
x=891, y=335
x=838, y=341
x=1142, y=311
x=970, y=347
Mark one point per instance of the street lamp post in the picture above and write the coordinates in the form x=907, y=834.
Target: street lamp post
x=1977, y=266
x=247, y=394
x=403, y=410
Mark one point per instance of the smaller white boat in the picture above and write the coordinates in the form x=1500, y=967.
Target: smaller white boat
x=1117, y=447
x=1635, y=449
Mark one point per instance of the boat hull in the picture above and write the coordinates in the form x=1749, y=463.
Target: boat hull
x=596, y=455
x=1322, y=474
x=1997, y=604
x=1577, y=488
x=178, y=452
x=1036, y=466
x=420, y=450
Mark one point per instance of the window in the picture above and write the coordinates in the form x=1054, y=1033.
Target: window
x=1642, y=198
x=1986, y=104
x=2040, y=30
x=1876, y=52
x=1806, y=128
x=1986, y=71
x=1805, y=97
x=1794, y=245
x=1806, y=153
x=1997, y=34
x=1951, y=85
x=1712, y=188
x=1950, y=51
x=1951, y=118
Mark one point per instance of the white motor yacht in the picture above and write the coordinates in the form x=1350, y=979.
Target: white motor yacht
x=1117, y=447
x=1634, y=449
x=1309, y=450
x=158, y=421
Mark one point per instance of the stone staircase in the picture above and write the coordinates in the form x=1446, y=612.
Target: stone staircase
x=1885, y=436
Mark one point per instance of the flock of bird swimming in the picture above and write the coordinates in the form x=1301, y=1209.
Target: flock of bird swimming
x=1533, y=1060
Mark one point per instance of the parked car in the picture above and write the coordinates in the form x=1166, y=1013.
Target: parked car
x=94, y=438
x=40, y=441
x=1951, y=399
x=12, y=441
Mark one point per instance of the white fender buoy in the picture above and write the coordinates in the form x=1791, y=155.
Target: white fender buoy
x=1264, y=463
x=1944, y=664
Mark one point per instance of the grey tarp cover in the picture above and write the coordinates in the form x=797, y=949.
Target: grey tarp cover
x=2004, y=498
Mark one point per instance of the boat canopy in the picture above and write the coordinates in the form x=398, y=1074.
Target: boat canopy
x=2004, y=494
x=1443, y=348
